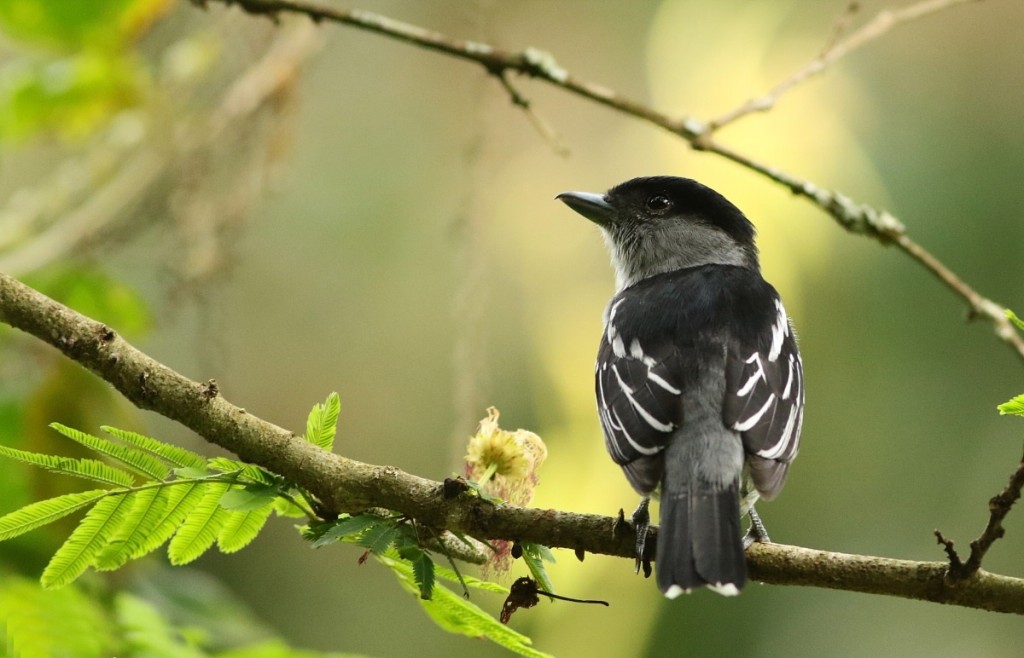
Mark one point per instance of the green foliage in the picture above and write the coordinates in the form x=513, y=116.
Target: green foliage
x=88, y=469
x=241, y=527
x=86, y=541
x=201, y=526
x=1014, y=407
x=142, y=463
x=177, y=457
x=42, y=624
x=159, y=493
x=143, y=521
x=38, y=624
x=1014, y=319
x=71, y=96
x=44, y=512
x=535, y=555
x=183, y=498
x=147, y=633
x=345, y=526
x=98, y=24
x=456, y=614
x=90, y=290
x=92, y=76
x=322, y=423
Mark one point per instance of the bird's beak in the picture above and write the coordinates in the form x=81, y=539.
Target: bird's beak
x=591, y=206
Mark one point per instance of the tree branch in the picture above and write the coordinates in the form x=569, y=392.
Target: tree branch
x=346, y=485
x=999, y=506
x=854, y=217
x=836, y=48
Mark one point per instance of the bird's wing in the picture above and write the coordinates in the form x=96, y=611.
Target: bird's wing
x=638, y=395
x=764, y=400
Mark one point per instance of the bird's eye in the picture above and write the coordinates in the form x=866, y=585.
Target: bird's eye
x=657, y=203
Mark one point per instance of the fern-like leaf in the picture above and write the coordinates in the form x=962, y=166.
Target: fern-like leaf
x=87, y=540
x=249, y=498
x=1014, y=407
x=535, y=555
x=347, y=526
x=46, y=511
x=422, y=569
x=201, y=526
x=240, y=528
x=181, y=500
x=138, y=525
x=138, y=460
x=179, y=457
x=88, y=469
x=246, y=472
x=322, y=424
x=457, y=615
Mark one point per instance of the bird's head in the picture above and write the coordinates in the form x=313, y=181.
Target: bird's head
x=662, y=224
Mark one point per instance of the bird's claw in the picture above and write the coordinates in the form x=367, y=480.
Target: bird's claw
x=641, y=523
x=756, y=532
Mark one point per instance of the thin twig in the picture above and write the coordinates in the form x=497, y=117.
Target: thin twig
x=841, y=26
x=882, y=23
x=543, y=128
x=999, y=505
x=854, y=217
x=955, y=564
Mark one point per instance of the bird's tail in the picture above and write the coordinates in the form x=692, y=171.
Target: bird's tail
x=699, y=541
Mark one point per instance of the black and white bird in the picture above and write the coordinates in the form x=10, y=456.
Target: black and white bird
x=700, y=386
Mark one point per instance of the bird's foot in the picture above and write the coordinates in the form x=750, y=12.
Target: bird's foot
x=641, y=523
x=756, y=532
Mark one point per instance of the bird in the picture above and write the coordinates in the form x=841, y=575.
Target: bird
x=699, y=380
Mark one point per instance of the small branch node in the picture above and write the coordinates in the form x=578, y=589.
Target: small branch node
x=955, y=564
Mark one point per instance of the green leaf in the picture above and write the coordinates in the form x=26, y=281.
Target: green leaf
x=535, y=555
x=240, y=528
x=138, y=526
x=86, y=541
x=378, y=538
x=469, y=581
x=457, y=615
x=1014, y=407
x=490, y=498
x=190, y=473
x=246, y=472
x=422, y=570
x=181, y=500
x=147, y=633
x=89, y=289
x=1014, y=319
x=88, y=469
x=71, y=97
x=179, y=457
x=201, y=526
x=64, y=623
x=248, y=498
x=138, y=460
x=47, y=511
x=286, y=508
x=100, y=24
x=346, y=526
x=322, y=424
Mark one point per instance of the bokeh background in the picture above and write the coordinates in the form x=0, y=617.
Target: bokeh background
x=296, y=210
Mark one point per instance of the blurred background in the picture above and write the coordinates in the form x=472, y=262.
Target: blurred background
x=295, y=210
